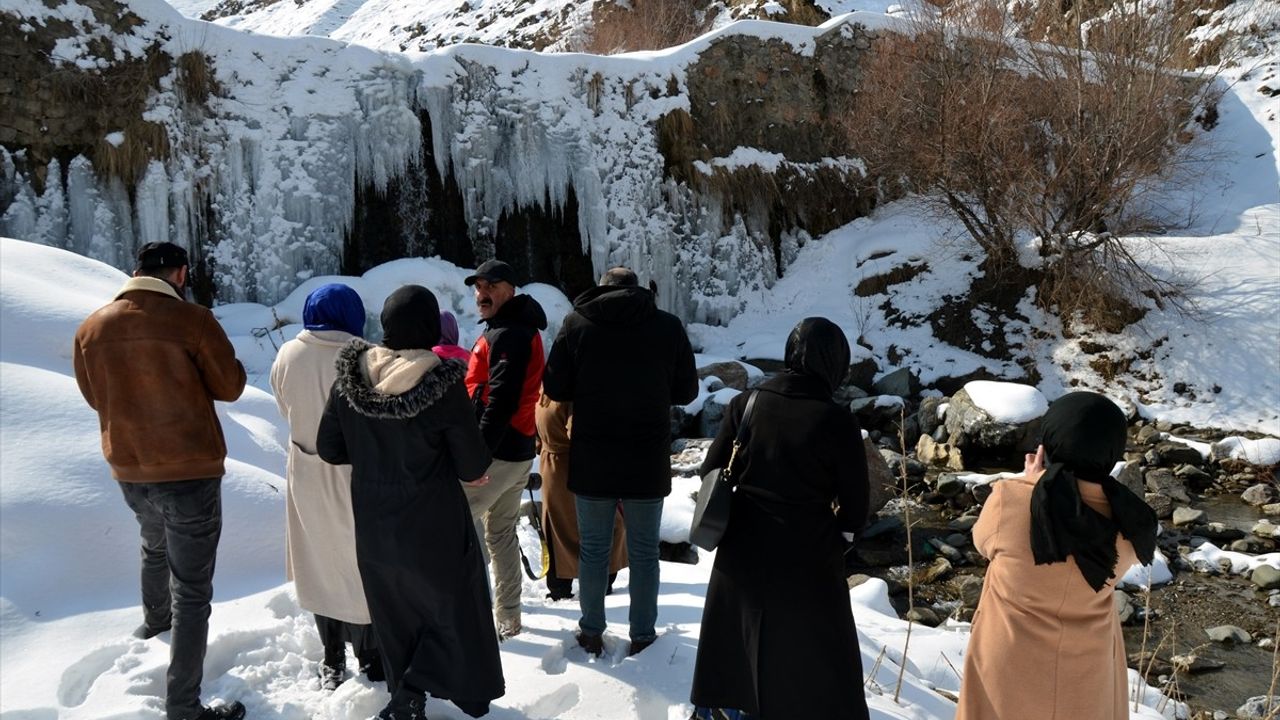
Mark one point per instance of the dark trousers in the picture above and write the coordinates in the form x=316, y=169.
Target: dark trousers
x=334, y=636
x=180, y=523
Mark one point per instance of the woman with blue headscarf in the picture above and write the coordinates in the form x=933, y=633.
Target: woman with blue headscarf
x=320, y=530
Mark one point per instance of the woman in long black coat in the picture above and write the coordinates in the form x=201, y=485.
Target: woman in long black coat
x=778, y=640
x=400, y=416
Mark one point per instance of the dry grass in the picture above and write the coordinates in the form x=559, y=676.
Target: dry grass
x=644, y=25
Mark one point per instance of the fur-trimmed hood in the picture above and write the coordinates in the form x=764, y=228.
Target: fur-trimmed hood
x=354, y=386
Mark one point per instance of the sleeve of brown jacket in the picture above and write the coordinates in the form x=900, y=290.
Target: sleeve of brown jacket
x=987, y=530
x=82, y=373
x=222, y=373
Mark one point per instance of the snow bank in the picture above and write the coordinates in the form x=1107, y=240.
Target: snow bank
x=1240, y=563
x=1007, y=402
x=1263, y=451
x=1143, y=576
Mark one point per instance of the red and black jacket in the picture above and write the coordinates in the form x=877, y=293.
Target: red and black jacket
x=504, y=377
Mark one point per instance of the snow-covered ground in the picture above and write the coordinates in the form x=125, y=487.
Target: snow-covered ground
x=68, y=555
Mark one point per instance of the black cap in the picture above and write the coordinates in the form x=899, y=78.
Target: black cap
x=161, y=255
x=493, y=271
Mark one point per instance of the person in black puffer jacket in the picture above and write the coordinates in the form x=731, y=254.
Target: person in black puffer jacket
x=623, y=363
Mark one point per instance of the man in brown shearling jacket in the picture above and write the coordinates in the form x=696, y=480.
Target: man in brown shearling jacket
x=152, y=364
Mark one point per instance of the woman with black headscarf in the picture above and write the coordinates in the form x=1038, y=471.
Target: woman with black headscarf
x=399, y=415
x=778, y=639
x=1046, y=640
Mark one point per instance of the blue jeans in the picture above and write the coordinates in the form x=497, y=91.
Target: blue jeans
x=642, y=519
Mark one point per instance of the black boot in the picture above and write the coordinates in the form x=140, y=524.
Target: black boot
x=371, y=666
x=406, y=704
x=234, y=711
x=333, y=670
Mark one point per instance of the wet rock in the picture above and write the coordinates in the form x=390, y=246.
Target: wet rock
x=1228, y=635
x=957, y=540
x=1148, y=435
x=949, y=485
x=940, y=569
x=1163, y=481
x=1258, y=495
x=964, y=523
x=1164, y=425
x=1170, y=454
x=1187, y=516
x=863, y=371
x=731, y=374
x=897, y=462
x=1124, y=605
x=1259, y=707
x=1266, y=577
x=883, y=526
x=856, y=579
x=1161, y=503
x=946, y=551
x=1246, y=545
x=929, y=416
x=687, y=456
x=1265, y=529
x=1131, y=477
x=846, y=394
x=1220, y=532
x=877, y=411
x=1271, y=509
x=983, y=491
x=711, y=416
x=901, y=382
x=933, y=452
x=881, y=479
x=1194, y=477
x=1193, y=664
x=924, y=616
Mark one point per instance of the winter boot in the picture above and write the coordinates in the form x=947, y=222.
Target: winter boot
x=371, y=666
x=333, y=670
x=406, y=704
x=146, y=632
x=638, y=646
x=593, y=644
x=509, y=627
x=559, y=588
x=234, y=711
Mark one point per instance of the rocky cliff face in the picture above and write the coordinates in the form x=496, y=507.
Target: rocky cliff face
x=276, y=160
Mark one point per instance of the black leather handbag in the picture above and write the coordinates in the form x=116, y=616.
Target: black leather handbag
x=711, y=514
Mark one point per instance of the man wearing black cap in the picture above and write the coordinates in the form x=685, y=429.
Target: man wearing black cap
x=151, y=365
x=503, y=379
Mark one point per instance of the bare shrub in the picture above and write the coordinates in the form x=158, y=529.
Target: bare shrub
x=645, y=25
x=1055, y=141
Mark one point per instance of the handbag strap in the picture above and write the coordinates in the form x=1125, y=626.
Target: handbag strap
x=742, y=434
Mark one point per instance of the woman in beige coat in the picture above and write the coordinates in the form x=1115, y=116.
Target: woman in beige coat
x=1046, y=641
x=559, y=514
x=320, y=531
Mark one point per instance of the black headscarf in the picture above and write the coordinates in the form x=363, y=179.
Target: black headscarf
x=1084, y=437
x=411, y=319
x=818, y=348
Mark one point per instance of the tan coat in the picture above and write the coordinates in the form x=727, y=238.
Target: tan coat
x=152, y=364
x=559, y=514
x=1044, y=644
x=320, y=543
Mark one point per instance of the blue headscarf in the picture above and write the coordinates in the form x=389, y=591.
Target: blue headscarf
x=334, y=307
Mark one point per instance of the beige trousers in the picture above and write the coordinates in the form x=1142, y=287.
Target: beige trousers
x=495, y=507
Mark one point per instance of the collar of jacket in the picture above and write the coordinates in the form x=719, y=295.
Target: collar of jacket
x=331, y=338
x=150, y=284
x=519, y=310
x=354, y=386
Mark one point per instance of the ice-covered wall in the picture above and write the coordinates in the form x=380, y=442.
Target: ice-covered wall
x=261, y=175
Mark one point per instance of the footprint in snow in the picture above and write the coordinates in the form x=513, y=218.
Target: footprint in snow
x=78, y=679
x=552, y=706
